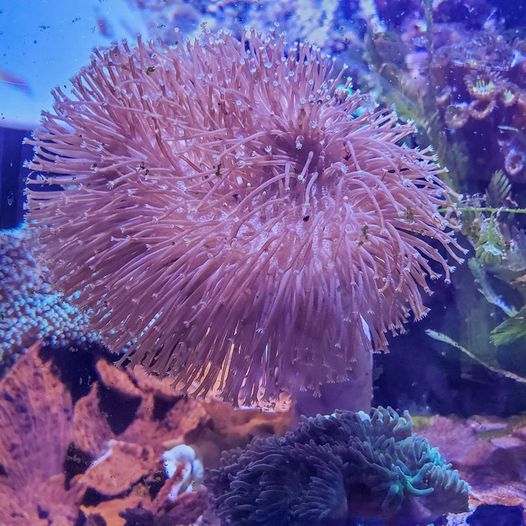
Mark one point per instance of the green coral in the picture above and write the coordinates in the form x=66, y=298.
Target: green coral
x=337, y=470
x=510, y=330
x=490, y=247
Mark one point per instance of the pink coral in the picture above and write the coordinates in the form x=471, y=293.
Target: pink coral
x=232, y=207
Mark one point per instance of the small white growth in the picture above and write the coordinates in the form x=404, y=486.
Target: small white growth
x=107, y=454
x=299, y=144
x=366, y=329
x=363, y=416
x=182, y=460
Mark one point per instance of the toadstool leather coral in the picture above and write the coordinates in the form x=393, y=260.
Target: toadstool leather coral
x=236, y=211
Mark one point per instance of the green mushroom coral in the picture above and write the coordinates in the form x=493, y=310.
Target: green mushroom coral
x=345, y=469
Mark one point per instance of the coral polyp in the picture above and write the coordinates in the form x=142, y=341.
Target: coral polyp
x=457, y=115
x=237, y=211
x=30, y=309
x=483, y=85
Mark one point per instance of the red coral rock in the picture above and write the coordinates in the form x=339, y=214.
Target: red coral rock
x=35, y=415
x=490, y=455
x=106, y=475
x=68, y=453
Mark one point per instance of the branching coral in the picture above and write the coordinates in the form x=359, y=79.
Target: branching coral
x=236, y=210
x=29, y=307
x=335, y=470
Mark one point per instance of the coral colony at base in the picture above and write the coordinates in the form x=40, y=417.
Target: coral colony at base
x=239, y=211
x=336, y=469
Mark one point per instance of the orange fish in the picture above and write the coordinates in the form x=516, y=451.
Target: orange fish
x=104, y=27
x=17, y=82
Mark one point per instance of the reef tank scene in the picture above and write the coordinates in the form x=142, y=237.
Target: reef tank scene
x=263, y=263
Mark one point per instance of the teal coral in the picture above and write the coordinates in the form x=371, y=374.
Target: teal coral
x=29, y=308
x=338, y=470
x=490, y=248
